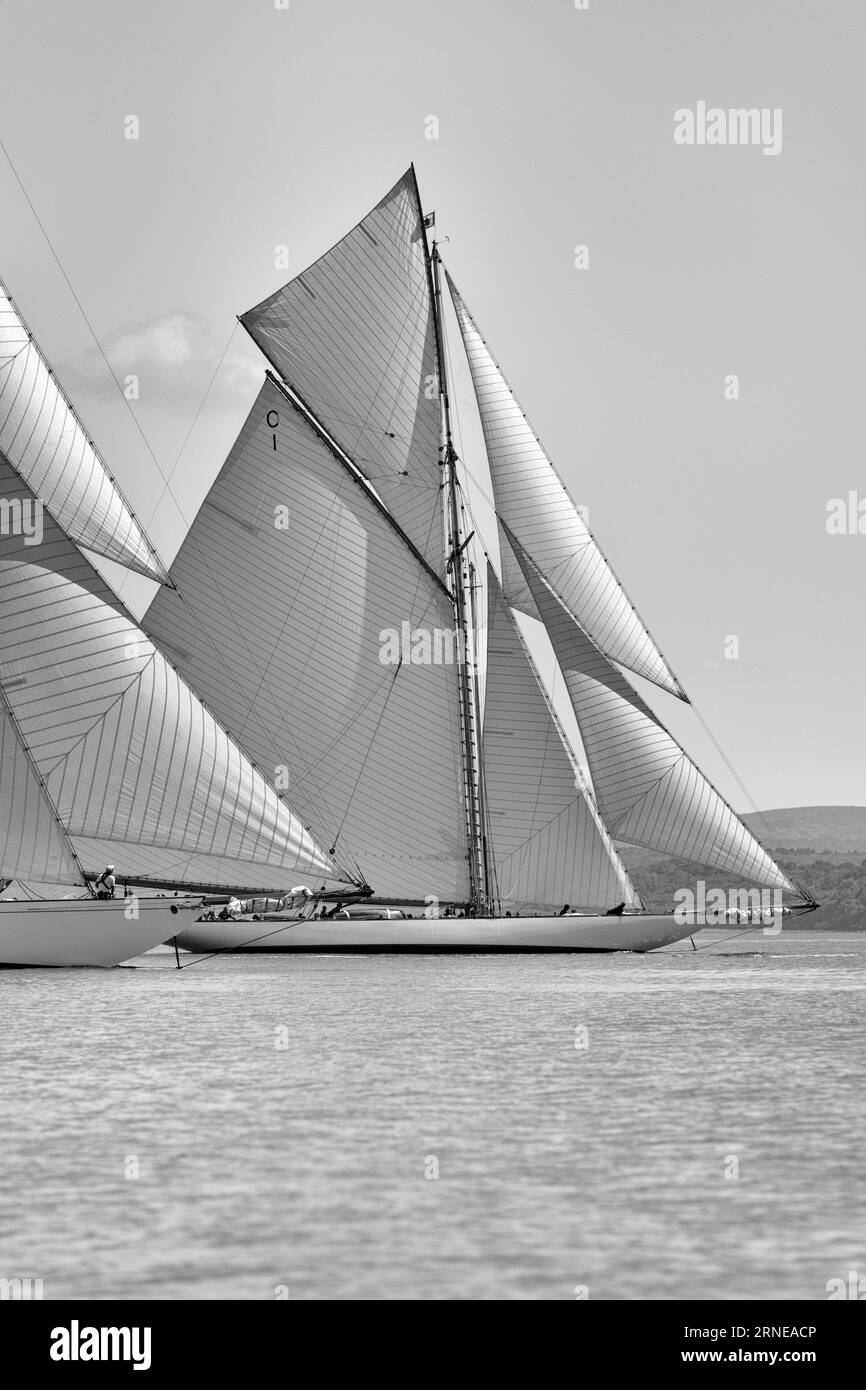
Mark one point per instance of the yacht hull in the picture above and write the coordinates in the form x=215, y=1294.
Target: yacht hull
x=84, y=931
x=438, y=935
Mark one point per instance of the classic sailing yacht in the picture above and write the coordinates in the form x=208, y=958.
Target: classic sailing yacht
x=106, y=754
x=330, y=603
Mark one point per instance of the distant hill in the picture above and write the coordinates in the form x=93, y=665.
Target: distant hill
x=822, y=847
x=835, y=828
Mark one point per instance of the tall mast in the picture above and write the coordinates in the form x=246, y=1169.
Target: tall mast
x=460, y=580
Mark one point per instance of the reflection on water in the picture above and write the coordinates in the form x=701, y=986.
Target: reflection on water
x=443, y=1127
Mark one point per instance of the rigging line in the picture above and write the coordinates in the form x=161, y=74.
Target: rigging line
x=373, y=738
x=186, y=439
x=317, y=792
x=284, y=730
x=767, y=828
x=352, y=718
x=734, y=937
x=251, y=941
x=309, y=768
x=95, y=338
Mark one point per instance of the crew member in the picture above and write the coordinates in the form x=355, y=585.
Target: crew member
x=105, y=883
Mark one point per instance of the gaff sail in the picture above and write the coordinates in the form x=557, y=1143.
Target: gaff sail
x=320, y=640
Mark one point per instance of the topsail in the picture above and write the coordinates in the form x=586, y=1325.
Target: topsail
x=354, y=337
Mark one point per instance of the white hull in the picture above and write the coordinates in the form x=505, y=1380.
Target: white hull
x=83, y=931
x=430, y=935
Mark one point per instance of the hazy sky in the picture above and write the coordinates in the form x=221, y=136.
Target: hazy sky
x=261, y=127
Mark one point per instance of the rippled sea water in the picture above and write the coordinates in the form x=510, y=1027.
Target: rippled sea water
x=287, y=1117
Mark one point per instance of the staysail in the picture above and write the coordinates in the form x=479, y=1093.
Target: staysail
x=354, y=336
x=127, y=753
x=327, y=648
x=648, y=790
x=43, y=438
x=549, y=845
x=534, y=504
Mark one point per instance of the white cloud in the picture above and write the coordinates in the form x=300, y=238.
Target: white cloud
x=173, y=357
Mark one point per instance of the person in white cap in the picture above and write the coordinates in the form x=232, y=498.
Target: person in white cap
x=105, y=883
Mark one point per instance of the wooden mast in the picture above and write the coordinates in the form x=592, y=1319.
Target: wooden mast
x=460, y=586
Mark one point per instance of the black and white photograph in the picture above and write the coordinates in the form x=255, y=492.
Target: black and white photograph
x=432, y=770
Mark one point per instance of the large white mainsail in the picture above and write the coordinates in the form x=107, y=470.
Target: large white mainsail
x=326, y=646
x=125, y=752
x=547, y=840
x=354, y=336
x=648, y=790
x=534, y=503
x=43, y=438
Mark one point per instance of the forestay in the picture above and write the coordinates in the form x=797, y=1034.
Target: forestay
x=45, y=441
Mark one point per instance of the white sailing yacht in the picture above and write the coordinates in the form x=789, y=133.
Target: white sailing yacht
x=331, y=602
x=106, y=754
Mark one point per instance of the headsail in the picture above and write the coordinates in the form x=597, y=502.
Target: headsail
x=353, y=335
x=326, y=647
x=127, y=752
x=548, y=842
x=648, y=790
x=43, y=438
x=533, y=502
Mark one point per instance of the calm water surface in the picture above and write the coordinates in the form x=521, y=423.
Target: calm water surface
x=287, y=1116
